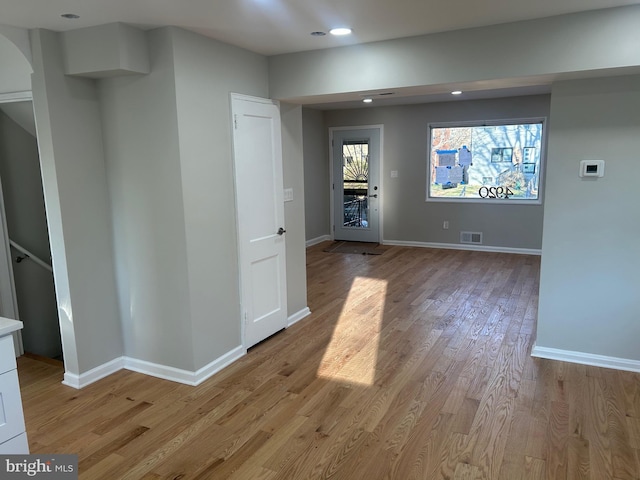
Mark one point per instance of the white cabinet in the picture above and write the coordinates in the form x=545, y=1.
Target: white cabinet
x=13, y=439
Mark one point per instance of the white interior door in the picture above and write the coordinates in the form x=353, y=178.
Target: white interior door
x=257, y=145
x=356, y=184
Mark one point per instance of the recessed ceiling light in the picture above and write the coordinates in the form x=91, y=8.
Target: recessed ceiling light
x=340, y=31
x=456, y=92
x=70, y=16
x=318, y=34
x=367, y=100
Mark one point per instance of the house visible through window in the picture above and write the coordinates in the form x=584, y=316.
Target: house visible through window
x=492, y=162
x=501, y=154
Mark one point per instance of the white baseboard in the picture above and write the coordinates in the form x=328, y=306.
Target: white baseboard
x=218, y=364
x=296, y=317
x=93, y=375
x=586, y=358
x=184, y=376
x=464, y=246
x=317, y=240
x=155, y=370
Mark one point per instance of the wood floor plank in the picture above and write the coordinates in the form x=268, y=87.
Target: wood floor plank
x=415, y=364
x=514, y=456
x=534, y=469
x=464, y=471
x=600, y=462
x=557, y=441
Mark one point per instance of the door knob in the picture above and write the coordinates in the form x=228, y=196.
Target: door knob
x=281, y=231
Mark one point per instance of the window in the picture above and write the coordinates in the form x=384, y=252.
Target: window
x=501, y=154
x=490, y=162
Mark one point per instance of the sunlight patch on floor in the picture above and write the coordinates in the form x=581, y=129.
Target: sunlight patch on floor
x=352, y=353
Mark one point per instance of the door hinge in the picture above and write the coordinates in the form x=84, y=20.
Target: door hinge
x=334, y=228
x=333, y=186
x=235, y=124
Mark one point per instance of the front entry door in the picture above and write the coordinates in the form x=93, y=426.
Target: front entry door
x=257, y=144
x=356, y=184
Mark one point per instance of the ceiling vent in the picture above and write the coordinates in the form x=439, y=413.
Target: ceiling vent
x=381, y=94
x=471, y=237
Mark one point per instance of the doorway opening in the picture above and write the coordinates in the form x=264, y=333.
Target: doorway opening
x=30, y=293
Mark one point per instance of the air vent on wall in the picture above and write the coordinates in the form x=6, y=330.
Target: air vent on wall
x=471, y=237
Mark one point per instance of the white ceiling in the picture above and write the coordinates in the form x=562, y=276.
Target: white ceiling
x=281, y=26
x=272, y=27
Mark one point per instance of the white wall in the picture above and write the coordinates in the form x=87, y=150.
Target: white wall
x=105, y=51
x=22, y=186
x=16, y=69
x=169, y=155
x=316, y=174
x=141, y=137
x=21, y=113
x=590, y=275
x=67, y=114
x=561, y=45
x=294, y=211
x=406, y=215
x=168, y=168
x=20, y=38
x=206, y=73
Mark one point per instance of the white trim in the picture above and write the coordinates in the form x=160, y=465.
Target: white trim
x=184, y=376
x=250, y=98
x=296, y=317
x=456, y=246
x=317, y=240
x=586, y=358
x=494, y=201
x=93, y=375
x=154, y=369
x=26, y=96
x=218, y=364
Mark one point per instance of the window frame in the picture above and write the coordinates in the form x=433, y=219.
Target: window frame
x=488, y=123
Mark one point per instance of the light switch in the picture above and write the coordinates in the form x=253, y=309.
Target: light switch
x=394, y=173
x=288, y=194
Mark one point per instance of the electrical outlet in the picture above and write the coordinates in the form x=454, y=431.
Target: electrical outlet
x=445, y=225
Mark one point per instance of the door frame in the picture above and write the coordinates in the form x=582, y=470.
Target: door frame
x=380, y=128
x=242, y=254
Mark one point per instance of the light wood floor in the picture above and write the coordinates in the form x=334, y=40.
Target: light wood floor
x=414, y=365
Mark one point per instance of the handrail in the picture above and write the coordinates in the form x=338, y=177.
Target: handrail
x=16, y=97
x=30, y=255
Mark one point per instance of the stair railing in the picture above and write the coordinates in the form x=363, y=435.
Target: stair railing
x=27, y=254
